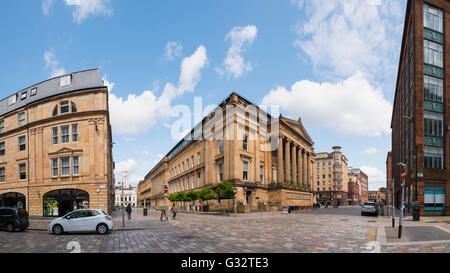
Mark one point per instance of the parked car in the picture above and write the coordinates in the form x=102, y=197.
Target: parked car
x=369, y=208
x=12, y=218
x=82, y=220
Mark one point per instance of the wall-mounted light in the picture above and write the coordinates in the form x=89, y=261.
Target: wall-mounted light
x=37, y=192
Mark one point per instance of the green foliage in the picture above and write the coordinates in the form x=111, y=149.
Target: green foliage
x=181, y=197
x=192, y=196
x=206, y=194
x=172, y=197
x=273, y=185
x=225, y=190
x=325, y=198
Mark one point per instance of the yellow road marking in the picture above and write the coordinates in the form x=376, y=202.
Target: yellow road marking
x=371, y=233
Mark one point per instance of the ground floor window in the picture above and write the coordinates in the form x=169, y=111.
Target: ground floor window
x=60, y=202
x=434, y=197
x=13, y=200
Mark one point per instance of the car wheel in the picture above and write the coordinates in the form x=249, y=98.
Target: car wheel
x=102, y=229
x=57, y=230
x=10, y=227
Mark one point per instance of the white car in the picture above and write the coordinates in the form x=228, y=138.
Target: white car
x=369, y=208
x=82, y=220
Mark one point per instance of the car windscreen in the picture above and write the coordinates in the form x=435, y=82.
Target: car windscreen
x=369, y=204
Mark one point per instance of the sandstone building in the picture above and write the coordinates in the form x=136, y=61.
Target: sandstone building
x=276, y=174
x=332, y=175
x=421, y=115
x=56, y=146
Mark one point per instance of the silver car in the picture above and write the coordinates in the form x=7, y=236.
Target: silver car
x=82, y=220
x=369, y=208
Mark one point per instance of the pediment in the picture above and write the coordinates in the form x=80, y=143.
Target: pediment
x=297, y=127
x=66, y=150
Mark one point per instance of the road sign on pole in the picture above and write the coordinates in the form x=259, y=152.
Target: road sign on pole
x=403, y=174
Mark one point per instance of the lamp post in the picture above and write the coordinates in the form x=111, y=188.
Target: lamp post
x=403, y=180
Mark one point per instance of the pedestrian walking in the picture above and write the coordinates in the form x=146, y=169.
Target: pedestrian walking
x=315, y=205
x=129, y=210
x=174, y=211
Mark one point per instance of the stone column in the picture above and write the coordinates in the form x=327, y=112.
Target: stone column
x=305, y=169
x=294, y=164
x=287, y=161
x=308, y=166
x=257, y=159
x=300, y=166
x=280, y=160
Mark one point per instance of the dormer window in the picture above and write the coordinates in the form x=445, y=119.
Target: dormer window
x=24, y=95
x=65, y=81
x=33, y=91
x=12, y=99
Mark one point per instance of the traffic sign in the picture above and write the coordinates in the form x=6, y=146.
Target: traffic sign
x=403, y=174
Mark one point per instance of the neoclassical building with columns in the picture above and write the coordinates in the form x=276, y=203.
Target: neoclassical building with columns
x=269, y=159
x=56, y=146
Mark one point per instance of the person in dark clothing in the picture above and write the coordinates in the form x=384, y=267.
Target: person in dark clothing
x=174, y=211
x=129, y=210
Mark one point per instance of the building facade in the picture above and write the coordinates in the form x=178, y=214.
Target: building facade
x=124, y=193
x=56, y=146
x=332, y=175
x=269, y=160
x=363, y=180
x=421, y=115
x=354, y=189
x=389, y=178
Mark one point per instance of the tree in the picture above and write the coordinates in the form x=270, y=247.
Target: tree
x=225, y=190
x=172, y=197
x=206, y=194
x=192, y=196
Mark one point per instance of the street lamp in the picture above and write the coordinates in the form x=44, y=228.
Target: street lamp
x=402, y=165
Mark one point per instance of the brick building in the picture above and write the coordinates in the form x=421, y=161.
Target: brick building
x=270, y=160
x=363, y=181
x=332, y=175
x=56, y=146
x=354, y=191
x=421, y=115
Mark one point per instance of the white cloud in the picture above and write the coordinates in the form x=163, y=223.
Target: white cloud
x=46, y=5
x=84, y=8
x=109, y=84
x=145, y=152
x=173, y=49
x=128, y=165
x=350, y=107
x=370, y=151
x=377, y=178
x=234, y=63
x=138, y=113
x=346, y=36
x=52, y=63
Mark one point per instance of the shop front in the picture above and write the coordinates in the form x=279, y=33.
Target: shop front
x=13, y=200
x=60, y=202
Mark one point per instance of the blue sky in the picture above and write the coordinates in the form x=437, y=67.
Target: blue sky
x=332, y=62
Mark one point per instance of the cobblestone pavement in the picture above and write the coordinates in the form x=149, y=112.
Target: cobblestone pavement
x=326, y=230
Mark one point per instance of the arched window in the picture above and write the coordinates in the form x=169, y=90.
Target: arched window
x=74, y=107
x=55, y=111
x=64, y=107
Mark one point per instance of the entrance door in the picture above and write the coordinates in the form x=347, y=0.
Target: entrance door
x=13, y=200
x=249, y=198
